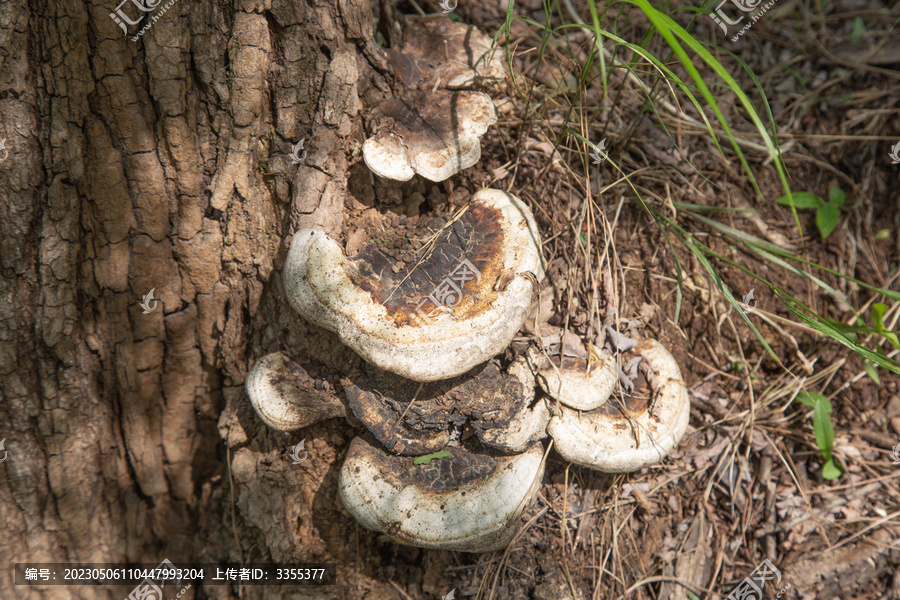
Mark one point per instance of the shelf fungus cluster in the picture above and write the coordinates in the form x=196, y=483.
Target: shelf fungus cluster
x=434, y=125
x=454, y=450
x=617, y=433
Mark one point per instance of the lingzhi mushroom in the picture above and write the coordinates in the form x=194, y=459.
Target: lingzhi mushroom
x=434, y=124
x=438, y=374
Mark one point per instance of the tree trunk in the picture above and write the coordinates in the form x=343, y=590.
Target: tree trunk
x=163, y=163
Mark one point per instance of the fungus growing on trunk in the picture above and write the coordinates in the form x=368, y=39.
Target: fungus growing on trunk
x=412, y=418
x=577, y=384
x=432, y=127
x=461, y=304
x=285, y=397
x=469, y=501
x=431, y=329
x=634, y=432
x=440, y=53
x=434, y=134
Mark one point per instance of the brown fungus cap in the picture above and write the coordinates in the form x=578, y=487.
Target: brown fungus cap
x=634, y=430
x=440, y=53
x=432, y=127
x=435, y=134
x=372, y=404
x=285, y=397
x=469, y=501
x=411, y=418
x=460, y=305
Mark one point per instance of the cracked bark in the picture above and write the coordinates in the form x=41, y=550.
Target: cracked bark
x=161, y=163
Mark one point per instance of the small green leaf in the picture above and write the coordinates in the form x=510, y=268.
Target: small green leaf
x=824, y=429
x=858, y=30
x=831, y=470
x=424, y=460
x=882, y=234
x=836, y=196
x=872, y=371
x=827, y=219
x=809, y=398
x=802, y=200
x=877, y=312
x=892, y=338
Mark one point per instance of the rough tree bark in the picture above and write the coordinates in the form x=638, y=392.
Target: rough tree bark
x=162, y=164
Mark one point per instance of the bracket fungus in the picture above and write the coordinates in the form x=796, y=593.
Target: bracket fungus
x=578, y=383
x=438, y=52
x=435, y=134
x=529, y=425
x=431, y=333
x=469, y=501
x=461, y=304
x=619, y=437
x=433, y=127
x=285, y=397
x=411, y=418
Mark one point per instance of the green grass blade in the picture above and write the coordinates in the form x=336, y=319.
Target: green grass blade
x=670, y=30
x=814, y=321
